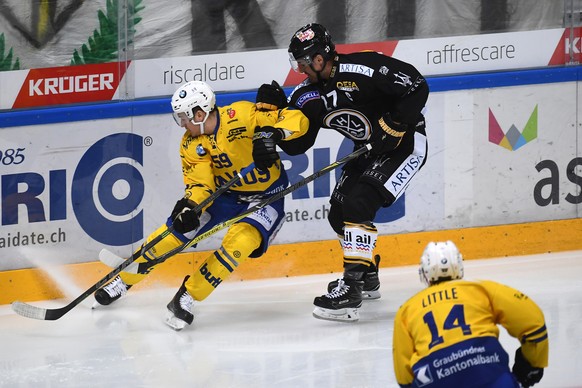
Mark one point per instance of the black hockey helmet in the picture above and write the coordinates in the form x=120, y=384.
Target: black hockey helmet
x=310, y=40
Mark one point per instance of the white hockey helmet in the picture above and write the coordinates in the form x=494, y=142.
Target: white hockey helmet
x=189, y=96
x=440, y=261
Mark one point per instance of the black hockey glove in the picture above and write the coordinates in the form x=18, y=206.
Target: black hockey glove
x=526, y=374
x=184, y=218
x=265, y=146
x=386, y=135
x=271, y=97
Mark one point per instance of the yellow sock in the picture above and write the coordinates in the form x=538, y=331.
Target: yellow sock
x=238, y=244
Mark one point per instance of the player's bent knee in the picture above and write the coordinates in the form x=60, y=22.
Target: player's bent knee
x=335, y=219
x=242, y=240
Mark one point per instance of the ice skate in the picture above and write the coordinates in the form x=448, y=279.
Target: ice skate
x=342, y=303
x=371, y=288
x=180, y=309
x=111, y=292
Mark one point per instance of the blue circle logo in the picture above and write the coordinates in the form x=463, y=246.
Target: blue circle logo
x=108, y=189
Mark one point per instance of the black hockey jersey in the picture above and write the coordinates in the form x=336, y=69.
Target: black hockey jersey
x=361, y=88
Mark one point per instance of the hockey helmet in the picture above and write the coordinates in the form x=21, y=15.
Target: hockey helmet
x=191, y=95
x=440, y=261
x=308, y=41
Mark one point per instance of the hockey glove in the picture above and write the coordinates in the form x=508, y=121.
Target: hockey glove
x=271, y=97
x=386, y=135
x=526, y=374
x=265, y=146
x=184, y=218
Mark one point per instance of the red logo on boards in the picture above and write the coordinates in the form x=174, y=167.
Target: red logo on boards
x=70, y=84
x=569, y=48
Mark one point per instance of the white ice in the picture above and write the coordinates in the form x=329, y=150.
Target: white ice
x=262, y=334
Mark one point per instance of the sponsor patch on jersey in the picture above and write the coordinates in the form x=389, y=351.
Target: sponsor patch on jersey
x=403, y=175
x=347, y=86
x=266, y=216
x=356, y=68
x=200, y=151
x=235, y=133
x=384, y=70
x=306, y=97
x=415, y=85
x=231, y=112
x=402, y=79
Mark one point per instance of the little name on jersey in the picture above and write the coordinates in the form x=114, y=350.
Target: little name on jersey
x=439, y=296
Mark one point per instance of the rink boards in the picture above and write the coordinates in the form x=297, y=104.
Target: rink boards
x=309, y=258
x=503, y=177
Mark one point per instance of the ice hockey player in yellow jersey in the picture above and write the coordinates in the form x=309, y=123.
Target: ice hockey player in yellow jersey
x=218, y=143
x=447, y=334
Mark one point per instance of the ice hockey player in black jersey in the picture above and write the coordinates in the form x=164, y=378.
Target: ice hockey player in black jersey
x=367, y=97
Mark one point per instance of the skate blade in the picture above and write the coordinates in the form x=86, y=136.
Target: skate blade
x=371, y=295
x=173, y=322
x=341, y=315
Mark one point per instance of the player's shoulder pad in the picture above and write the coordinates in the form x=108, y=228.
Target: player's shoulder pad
x=304, y=84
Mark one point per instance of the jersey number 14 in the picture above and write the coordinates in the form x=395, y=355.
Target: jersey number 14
x=455, y=319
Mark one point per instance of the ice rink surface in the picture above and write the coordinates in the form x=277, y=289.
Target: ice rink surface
x=262, y=334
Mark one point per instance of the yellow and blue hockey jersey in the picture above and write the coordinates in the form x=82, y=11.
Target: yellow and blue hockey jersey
x=447, y=335
x=209, y=161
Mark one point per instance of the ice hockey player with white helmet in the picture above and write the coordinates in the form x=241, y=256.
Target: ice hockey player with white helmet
x=447, y=335
x=218, y=143
x=367, y=97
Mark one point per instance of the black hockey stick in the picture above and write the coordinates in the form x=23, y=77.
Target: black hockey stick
x=113, y=260
x=30, y=311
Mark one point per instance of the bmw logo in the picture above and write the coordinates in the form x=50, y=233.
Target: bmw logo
x=200, y=151
x=182, y=93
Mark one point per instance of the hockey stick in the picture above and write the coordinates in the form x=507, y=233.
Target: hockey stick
x=112, y=260
x=30, y=311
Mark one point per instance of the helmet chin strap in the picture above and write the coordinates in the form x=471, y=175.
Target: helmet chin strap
x=201, y=123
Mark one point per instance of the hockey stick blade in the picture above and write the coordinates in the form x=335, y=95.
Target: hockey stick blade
x=34, y=312
x=29, y=311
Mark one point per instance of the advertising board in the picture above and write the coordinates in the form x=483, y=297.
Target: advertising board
x=496, y=156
